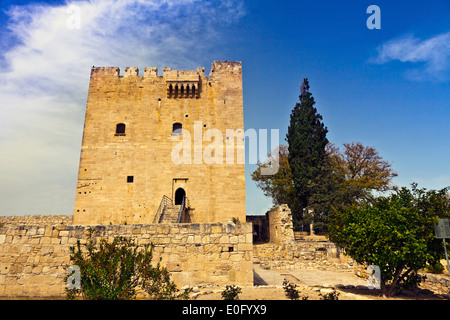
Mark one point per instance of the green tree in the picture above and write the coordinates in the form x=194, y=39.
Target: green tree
x=279, y=186
x=395, y=233
x=362, y=167
x=350, y=177
x=307, y=141
x=314, y=176
x=116, y=270
x=346, y=177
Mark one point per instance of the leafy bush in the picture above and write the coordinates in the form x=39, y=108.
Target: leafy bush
x=395, y=233
x=333, y=295
x=436, y=268
x=231, y=293
x=291, y=290
x=116, y=270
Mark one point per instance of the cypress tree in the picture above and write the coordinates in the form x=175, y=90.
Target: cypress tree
x=307, y=141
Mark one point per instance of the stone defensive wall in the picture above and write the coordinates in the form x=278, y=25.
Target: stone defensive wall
x=34, y=252
x=34, y=257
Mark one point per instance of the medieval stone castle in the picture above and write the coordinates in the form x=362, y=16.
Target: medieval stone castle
x=135, y=181
x=129, y=183
x=132, y=125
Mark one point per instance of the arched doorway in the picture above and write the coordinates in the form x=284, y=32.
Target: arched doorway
x=177, y=129
x=180, y=194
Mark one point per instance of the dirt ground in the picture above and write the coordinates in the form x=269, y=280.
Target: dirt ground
x=312, y=284
x=276, y=293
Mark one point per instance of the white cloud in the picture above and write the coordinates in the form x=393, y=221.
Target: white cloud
x=432, y=56
x=45, y=74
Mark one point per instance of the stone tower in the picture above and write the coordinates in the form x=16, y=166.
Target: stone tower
x=151, y=141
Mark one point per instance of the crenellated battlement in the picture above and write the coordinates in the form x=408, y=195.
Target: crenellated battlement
x=178, y=83
x=105, y=72
x=150, y=72
x=231, y=67
x=131, y=71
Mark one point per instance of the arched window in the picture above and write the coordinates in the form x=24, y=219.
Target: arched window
x=177, y=129
x=120, y=129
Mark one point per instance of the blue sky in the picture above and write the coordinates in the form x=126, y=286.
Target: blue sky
x=386, y=88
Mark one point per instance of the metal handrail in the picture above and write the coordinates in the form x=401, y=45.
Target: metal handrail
x=164, y=202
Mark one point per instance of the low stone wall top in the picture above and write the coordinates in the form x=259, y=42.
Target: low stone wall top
x=36, y=220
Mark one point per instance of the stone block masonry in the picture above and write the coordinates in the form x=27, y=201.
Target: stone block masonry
x=38, y=220
x=439, y=284
x=34, y=258
x=280, y=225
x=309, y=254
x=134, y=125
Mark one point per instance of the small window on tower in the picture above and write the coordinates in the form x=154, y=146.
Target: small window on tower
x=120, y=129
x=130, y=179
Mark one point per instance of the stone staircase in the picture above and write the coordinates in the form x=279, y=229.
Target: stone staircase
x=170, y=213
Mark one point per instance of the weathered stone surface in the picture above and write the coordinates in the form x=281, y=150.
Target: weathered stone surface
x=300, y=255
x=34, y=266
x=35, y=221
x=148, y=109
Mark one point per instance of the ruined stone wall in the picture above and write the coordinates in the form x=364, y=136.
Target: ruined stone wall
x=300, y=255
x=33, y=258
x=439, y=284
x=284, y=252
x=281, y=229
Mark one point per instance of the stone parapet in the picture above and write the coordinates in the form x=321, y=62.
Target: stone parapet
x=37, y=220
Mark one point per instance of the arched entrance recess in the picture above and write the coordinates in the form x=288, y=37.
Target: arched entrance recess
x=180, y=194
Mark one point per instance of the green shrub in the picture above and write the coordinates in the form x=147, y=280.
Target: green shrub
x=116, y=270
x=231, y=293
x=333, y=295
x=395, y=233
x=436, y=268
x=291, y=290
